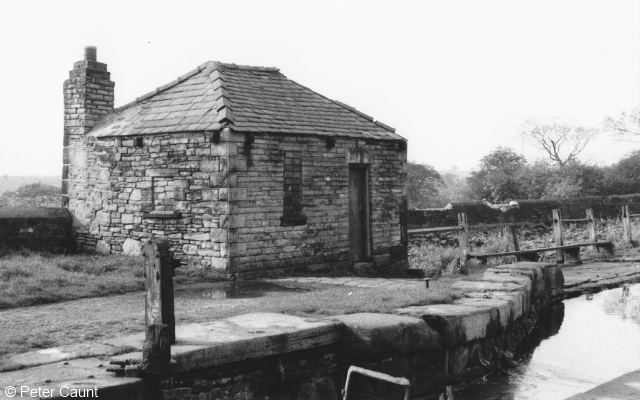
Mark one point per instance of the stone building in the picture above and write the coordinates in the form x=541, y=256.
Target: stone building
x=242, y=170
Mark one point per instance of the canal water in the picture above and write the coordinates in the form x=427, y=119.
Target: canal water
x=597, y=339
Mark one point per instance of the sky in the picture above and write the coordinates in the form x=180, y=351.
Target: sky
x=457, y=78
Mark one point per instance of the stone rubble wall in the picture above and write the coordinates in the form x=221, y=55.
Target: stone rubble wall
x=307, y=374
x=36, y=228
x=534, y=211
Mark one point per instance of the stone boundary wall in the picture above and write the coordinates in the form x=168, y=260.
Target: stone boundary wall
x=268, y=356
x=33, y=228
x=535, y=211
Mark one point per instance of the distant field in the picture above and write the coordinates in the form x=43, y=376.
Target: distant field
x=10, y=183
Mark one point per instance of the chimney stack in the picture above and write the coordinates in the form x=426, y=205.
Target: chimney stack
x=88, y=96
x=90, y=53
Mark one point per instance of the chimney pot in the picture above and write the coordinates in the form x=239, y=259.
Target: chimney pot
x=90, y=53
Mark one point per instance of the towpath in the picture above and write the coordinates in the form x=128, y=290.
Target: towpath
x=625, y=387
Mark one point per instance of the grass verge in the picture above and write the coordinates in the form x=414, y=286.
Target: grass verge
x=32, y=278
x=37, y=278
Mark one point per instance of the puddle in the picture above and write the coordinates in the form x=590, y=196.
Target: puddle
x=597, y=340
x=240, y=290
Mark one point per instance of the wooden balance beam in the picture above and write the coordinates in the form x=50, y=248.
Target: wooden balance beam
x=570, y=252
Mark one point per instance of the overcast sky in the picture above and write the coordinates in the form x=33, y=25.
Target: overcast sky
x=456, y=78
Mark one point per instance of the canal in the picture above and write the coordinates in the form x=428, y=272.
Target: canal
x=591, y=340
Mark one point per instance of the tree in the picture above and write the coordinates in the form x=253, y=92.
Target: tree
x=561, y=141
x=623, y=177
x=423, y=185
x=543, y=180
x=454, y=190
x=575, y=179
x=499, y=176
x=34, y=194
x=627, y=124
x=536, y=178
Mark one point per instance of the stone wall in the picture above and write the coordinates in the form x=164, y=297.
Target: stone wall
x=172, y=186
x=220, y=198
x=43, y=229
x=258, y=238
x=535, y=211
x=307, y=374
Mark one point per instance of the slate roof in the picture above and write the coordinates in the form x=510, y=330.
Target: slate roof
x=247, y=99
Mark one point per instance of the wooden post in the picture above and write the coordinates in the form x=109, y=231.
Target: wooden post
x=514, y=238
x=557, y=234
x=463, y=241
x=404, y=235
x=591, y=228
x=627, y=234
x=159, y=308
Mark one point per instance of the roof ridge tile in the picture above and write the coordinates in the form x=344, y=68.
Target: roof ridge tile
x=220, y=93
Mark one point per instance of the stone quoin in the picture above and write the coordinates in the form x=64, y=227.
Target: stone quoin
x=239, y=167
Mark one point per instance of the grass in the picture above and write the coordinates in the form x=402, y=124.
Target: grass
x=335, y=300
x=28, y=278
x=31, y=328
x=31, y=278
x=434, y=258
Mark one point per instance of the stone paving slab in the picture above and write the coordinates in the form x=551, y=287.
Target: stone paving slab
x=625, y=387
x=58, y=379
x=239, y=338
x=61, y=353
x=594, y=277
x=596, y=271
x=391, y=283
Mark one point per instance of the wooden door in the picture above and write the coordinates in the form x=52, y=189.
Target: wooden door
x=358, y=213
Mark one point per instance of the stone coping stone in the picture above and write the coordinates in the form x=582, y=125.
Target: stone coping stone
x=548, y=280
x=458, y=323
x=82, y=373
x=34, y=212
x=239, y=338
x=489, y=305
x=60, y=353
x=506, y=276
x=373, y=336
x=506, y=309
x=535, y=275
x=520, y=302
x=486, y=286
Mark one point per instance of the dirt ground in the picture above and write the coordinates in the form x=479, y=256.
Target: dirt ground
x=28, y=328
x=91, y=319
